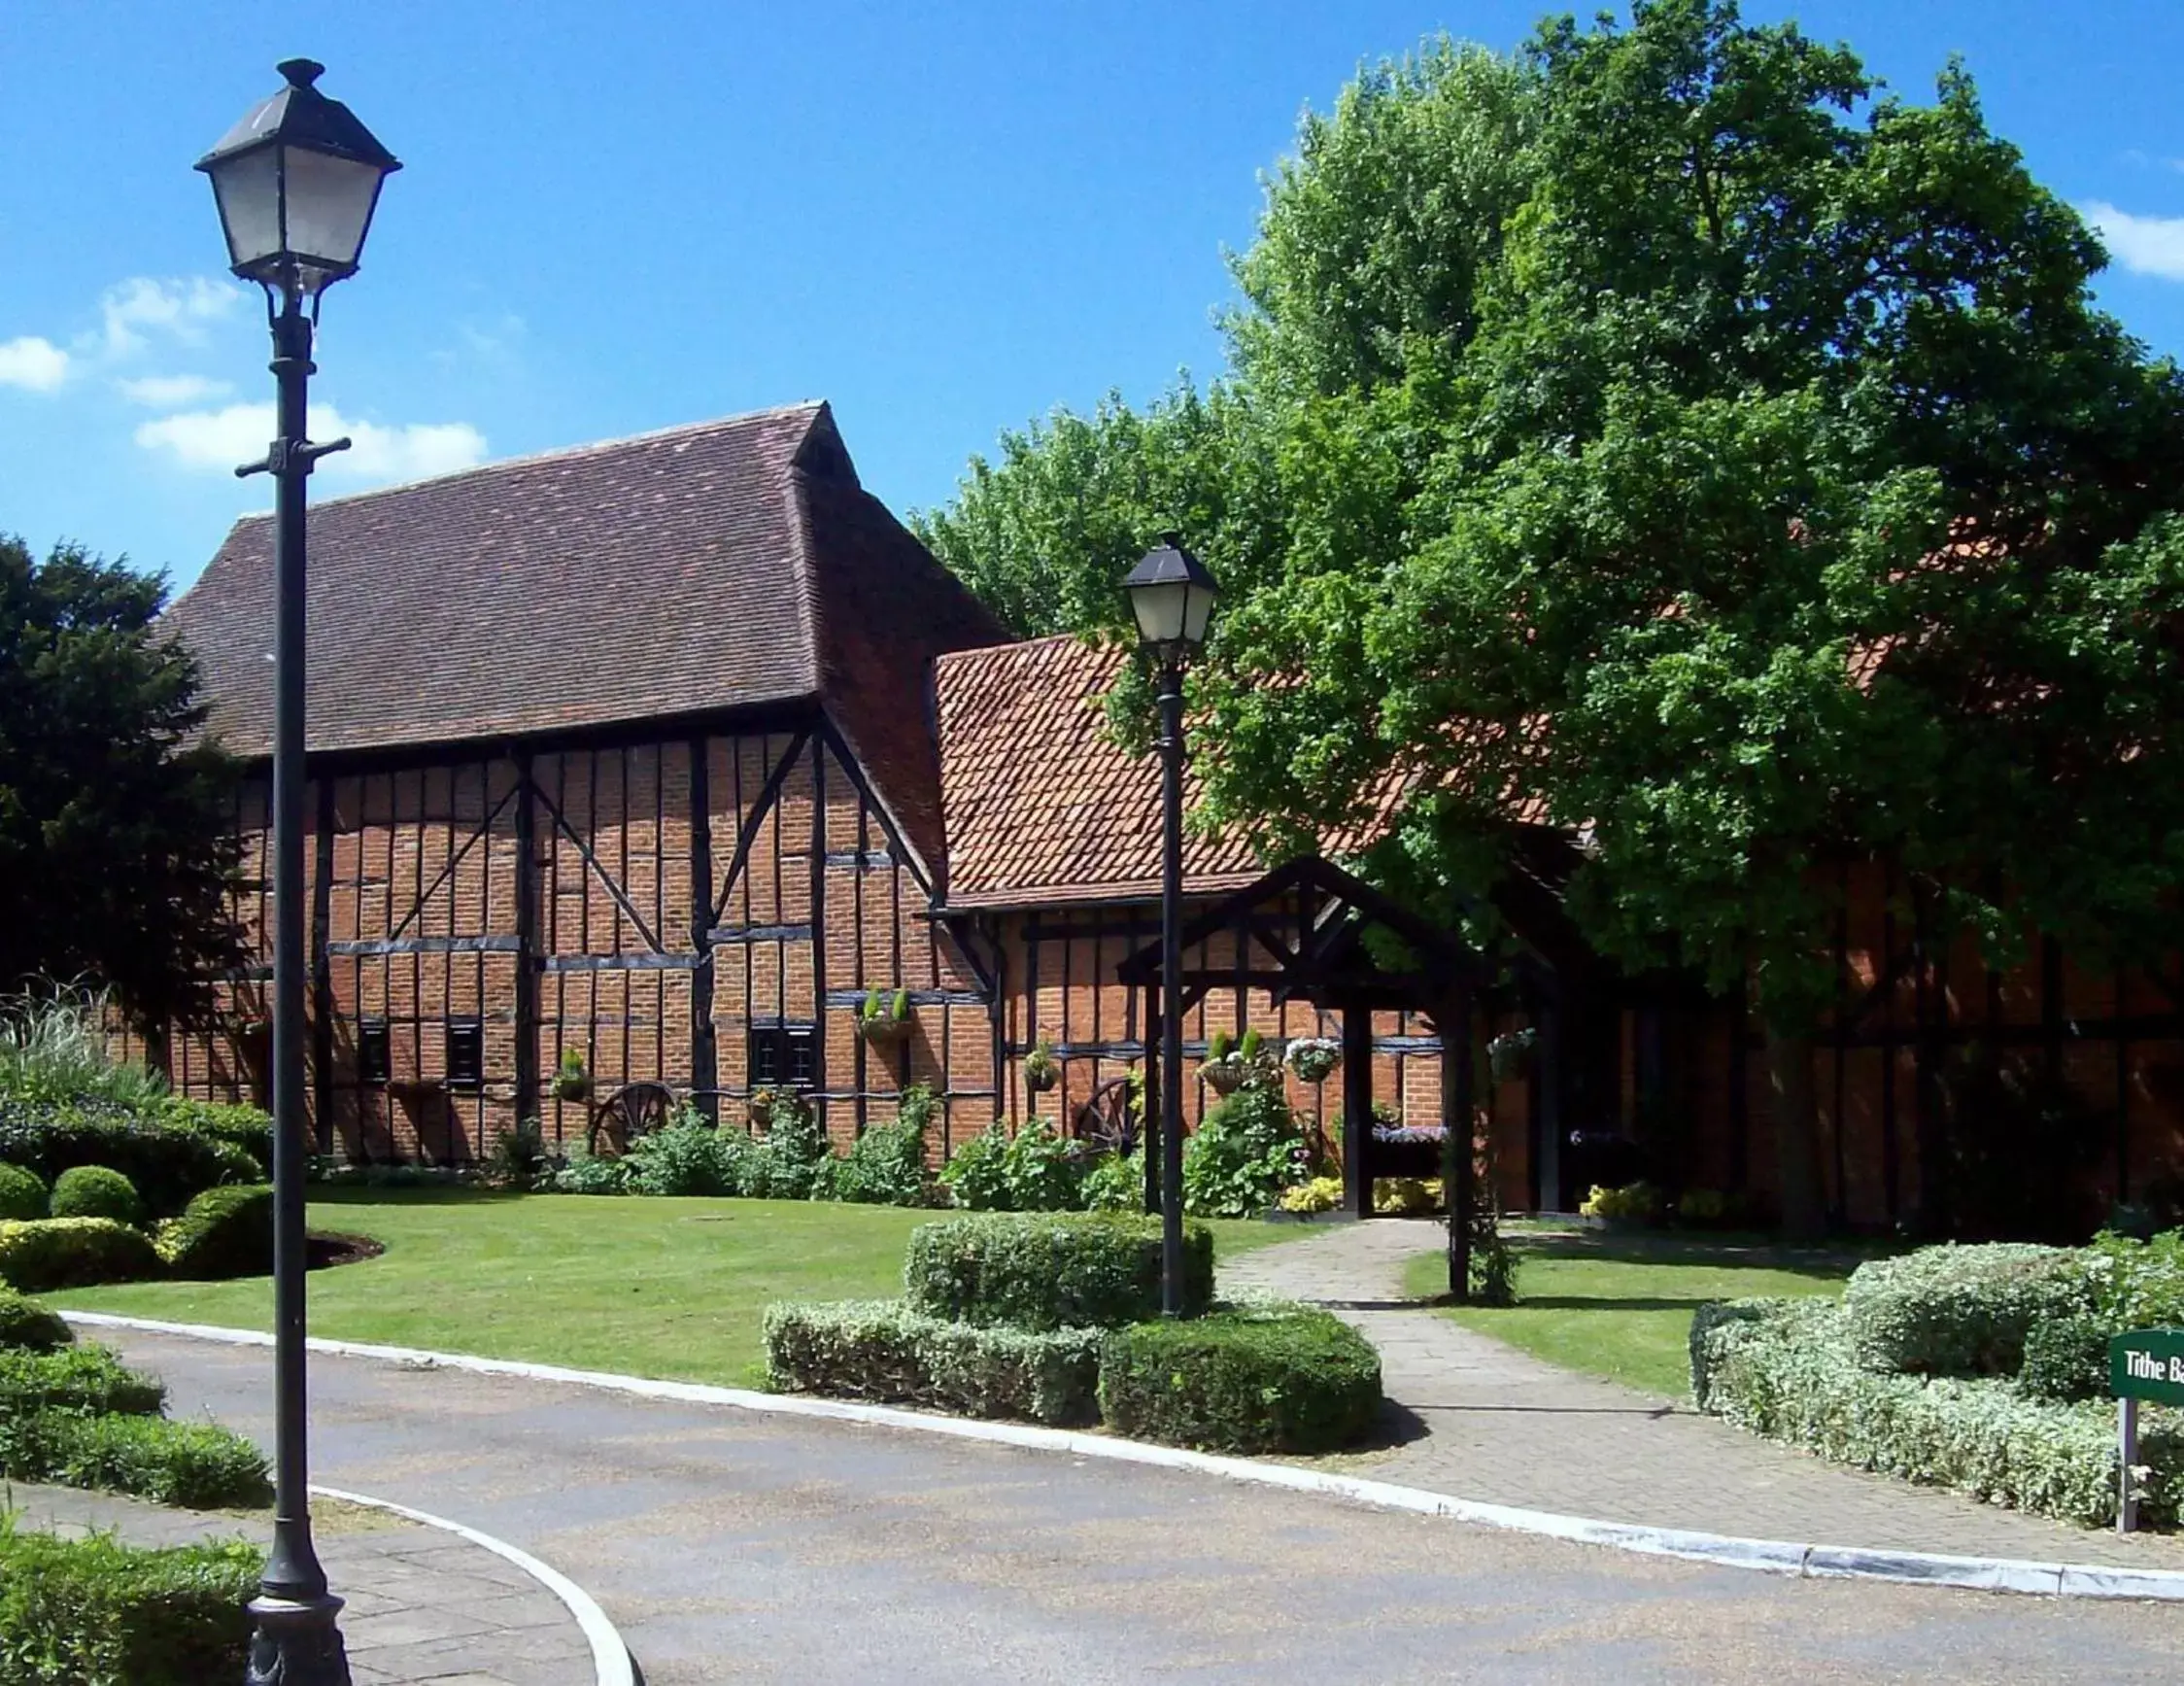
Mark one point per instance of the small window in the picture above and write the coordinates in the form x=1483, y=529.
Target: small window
x=784, y=1055
x=375, y=1062
x=467, y=1055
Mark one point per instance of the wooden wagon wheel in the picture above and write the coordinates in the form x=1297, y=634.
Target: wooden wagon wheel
x=634, y=1110
x=1104, y=1123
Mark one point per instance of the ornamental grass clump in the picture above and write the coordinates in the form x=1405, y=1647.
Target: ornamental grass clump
x=1252, y=1380
x=1049, y=1271
x=884, y=1350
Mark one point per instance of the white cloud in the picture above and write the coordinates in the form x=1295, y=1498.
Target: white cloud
x=2143, y=244
x=37, y=366
x=172, y=391
x=179, y=307
x=219, y=440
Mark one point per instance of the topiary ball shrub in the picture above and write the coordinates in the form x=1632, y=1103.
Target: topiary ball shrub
x=1050, y=1270
x=223, y=1232
x=50, y=1253
x=26, y=1325
x=22, y=1194
x=94, y=1192
x=1277, y=1379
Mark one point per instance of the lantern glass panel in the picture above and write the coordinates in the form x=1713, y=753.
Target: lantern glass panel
x=329, y=202
x=1161, y=612
x=247, y=189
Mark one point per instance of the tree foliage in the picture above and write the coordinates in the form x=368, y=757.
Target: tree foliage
x=117, y=855
x=1667, y=435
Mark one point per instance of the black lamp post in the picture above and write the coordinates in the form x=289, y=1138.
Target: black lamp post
x=296, y=181
x=1171, y=596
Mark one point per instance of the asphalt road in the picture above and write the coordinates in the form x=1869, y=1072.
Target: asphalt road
x=728, y=1546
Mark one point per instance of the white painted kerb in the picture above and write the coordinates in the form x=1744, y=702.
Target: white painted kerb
x=610, y=1656
x=1779, y=1557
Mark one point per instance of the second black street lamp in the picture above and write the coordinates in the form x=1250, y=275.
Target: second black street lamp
x=296, y=181
x=1172, y=596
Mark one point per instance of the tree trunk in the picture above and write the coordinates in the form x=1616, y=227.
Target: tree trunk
x=1796, y=1121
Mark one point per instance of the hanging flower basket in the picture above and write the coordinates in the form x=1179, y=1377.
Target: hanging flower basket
x=571, y=1081
x=1224, y=1076
x=1314, y=1058
x=1041, y=1070
x=760, y=1107
x=884, y=1019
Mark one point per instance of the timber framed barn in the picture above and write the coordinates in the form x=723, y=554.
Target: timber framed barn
x=671, y=750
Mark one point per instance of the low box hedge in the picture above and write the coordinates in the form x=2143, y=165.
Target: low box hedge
x=223, y=1232
x=166, y=1164
x=884, y=1350
x=1791, y=1370
x=1257, y=1379
x=196, y=1466
x=94, y=1612
x=1959, y=1311
x=45, y=1254
x=26, y=1324
x=85, y=1378
x=1050, y=1270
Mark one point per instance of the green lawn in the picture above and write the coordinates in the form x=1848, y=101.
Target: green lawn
x=1620, y=1305
x=669, y=1288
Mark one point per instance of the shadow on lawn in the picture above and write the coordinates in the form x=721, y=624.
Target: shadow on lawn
x=1829, y=1264
x=412, y=1194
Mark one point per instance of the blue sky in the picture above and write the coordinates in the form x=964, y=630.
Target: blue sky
x=946, y=218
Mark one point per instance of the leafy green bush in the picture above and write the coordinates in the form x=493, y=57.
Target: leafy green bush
x=2065, y=1358
x=196, y=1466
x=2136, y=1285
x=1115, y=1182
x=976, y=1175
x=26, y=1324
x=1959, y=1311
x=794, y=1161
x=690, y=1156
x=517, y=1158
x=167, y=1166
x=242, y=1127
x=885, y=1166
x=75, y=1379
x=22, y=1196
x=1243, y=1153
x=589, y=1173
x=1632, y=1203
x=94, y=1612
x=882, y=1350
x=1044, y=1175
x=1788, y=1369
x=1050, y=1270
x=223, y=1232
x=1260, y=1379
x=94, y=1192
x=44, y=1254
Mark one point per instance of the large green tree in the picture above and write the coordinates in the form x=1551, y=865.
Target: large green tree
x=1753, y=485
x=117, y=851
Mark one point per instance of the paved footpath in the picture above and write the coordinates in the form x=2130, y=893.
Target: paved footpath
x=733, y=1545
x=423, y=1605
x=1501, y=1425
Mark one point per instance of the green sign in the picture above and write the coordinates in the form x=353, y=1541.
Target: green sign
x=2147, y=1365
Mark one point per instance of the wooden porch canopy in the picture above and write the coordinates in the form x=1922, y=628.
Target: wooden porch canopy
x=1303, y=932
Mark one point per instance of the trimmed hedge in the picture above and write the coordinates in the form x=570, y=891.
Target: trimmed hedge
x=1959, y=1311
x=223, y=1232
x=243, y=1128
x=97, y=1191
x=882, y=1350
x=76, y=1379
x=1274, y=1379
x=1050, y=1270
x=50, y=1253
x=29, y=1327
x=166, y=1164
x=23, y=1194
x=94, y=1612
x=1790, y=1370
x=196, y=1466
x=2065, y=1358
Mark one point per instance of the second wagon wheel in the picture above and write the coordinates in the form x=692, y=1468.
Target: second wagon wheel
x=632, y=1111
x=1105, y=1122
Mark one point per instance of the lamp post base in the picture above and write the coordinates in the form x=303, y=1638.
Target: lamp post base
x=298, y=1643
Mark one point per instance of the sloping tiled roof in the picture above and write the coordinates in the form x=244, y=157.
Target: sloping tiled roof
x=1042, y=806
x=695, y=571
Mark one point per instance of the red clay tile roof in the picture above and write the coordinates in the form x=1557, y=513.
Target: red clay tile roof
x=1042, y=806
x=699, y=570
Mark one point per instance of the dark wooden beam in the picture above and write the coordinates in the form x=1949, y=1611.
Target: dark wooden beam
x=704, y=1060
x=1357, y=1109
x=322, y=972
x=530, y=1010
